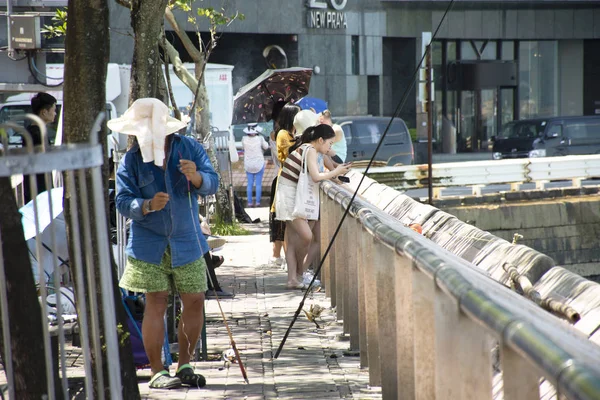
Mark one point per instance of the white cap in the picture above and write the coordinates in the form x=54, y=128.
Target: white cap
x=305, y=119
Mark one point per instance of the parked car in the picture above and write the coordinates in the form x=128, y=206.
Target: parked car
x=15, y=112
x=549, y=137
x=516, y=138
x=363, y=135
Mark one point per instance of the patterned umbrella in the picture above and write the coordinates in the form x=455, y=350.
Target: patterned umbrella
x=254, y=102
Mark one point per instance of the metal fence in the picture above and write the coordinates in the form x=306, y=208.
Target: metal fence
x=78, y=162
x=430, y=326
x=474, y=173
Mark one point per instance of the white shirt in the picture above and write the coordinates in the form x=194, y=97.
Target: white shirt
x=254, y=148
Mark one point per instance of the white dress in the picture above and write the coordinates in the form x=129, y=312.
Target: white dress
x=285, y=198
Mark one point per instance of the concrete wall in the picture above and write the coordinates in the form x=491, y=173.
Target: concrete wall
x=566, y=229
x=524, y=24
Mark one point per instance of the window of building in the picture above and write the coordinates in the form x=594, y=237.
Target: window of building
x=538, y=79
x=508, y=50
x=355, y=55
x=477, y=50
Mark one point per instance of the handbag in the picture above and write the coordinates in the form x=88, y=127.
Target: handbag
x=306, y=205
x=233, y=154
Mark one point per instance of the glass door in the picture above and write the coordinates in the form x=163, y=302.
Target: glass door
x=478, y=119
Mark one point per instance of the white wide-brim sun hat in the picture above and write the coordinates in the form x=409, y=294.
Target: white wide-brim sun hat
x=149, y=120
x=305, y=119
x=143, y=114
x=253, y=129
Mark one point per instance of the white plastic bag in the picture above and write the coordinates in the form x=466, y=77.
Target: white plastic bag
x=233, y=154
x=306, y=205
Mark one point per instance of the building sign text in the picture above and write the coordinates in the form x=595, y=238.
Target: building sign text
x=321, y=16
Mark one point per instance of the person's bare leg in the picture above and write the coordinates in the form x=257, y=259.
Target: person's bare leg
x=314, y=248
x=290, y=255
x=277, y=245
x=303, y=234
x=153, y=328
x=190, y=325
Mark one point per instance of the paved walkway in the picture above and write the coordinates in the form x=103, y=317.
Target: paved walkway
x=312, y=363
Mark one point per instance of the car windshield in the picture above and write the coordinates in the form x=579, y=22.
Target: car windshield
x=522, y=130
x=16, y=113
x=369, y=132
x=238, y=130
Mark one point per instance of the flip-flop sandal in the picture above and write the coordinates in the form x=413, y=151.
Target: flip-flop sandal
x=163, y=380
x=188, y=377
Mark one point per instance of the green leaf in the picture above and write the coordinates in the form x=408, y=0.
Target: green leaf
x=59, y=27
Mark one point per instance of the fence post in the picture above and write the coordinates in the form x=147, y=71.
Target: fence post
x=340, y=260
x=424, y=334
x=354, y=259
x=364, y=249
x=463, y=353
x=384, y=269
x=519, y=378
x=475, y=360
x=326, y=233
x=405, y=336
x=333, y=206
x=370, y=288
x=447, y=337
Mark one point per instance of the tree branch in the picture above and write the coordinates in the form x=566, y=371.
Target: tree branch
x=194, y=53
x=168, y=78
x=124, y=3
x=182, y=73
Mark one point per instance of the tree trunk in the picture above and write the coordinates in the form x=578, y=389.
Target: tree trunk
x=147, y=20
x=25, y=315
x=223, y=210
x=86, y=58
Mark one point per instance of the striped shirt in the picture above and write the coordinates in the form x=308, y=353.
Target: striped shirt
x=292, y=166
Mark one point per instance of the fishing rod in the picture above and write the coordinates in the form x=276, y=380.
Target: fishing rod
x=231, y=340
x=347, y=210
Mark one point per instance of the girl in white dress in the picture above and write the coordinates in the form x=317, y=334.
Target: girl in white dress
x=315, y=139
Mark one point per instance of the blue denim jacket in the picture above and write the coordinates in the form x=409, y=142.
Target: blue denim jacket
x=175, y=225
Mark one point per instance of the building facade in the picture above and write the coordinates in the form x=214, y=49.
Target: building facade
x=494, y=61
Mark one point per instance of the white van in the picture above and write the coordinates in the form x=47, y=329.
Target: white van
x=18, y=105
x=218, y=85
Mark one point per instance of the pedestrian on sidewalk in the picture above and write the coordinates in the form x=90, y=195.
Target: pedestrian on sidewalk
x=254, y=146
x=276, y=228
x=314, y=140
x=158, y=182
x=283, y=138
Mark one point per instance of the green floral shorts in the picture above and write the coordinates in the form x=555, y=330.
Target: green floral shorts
x=144, y=277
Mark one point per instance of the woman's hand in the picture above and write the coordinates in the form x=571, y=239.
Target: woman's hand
x=341, y=169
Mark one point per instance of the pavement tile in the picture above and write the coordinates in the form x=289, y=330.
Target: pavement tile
x=258, y=316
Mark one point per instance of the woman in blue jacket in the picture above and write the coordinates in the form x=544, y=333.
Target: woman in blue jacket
x=158, y=184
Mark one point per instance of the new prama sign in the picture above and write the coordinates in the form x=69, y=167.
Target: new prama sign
x=326, y=14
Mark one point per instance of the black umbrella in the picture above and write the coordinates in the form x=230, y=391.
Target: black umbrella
x=254, y=102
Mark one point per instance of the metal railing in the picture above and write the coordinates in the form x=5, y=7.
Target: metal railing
x=474, y=173
x=427, y=323
x=79, y=162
